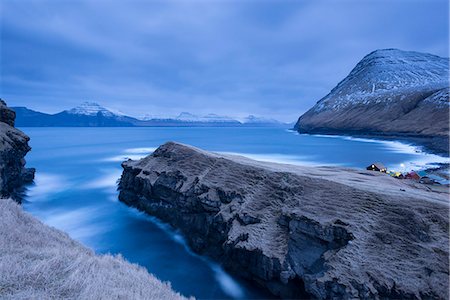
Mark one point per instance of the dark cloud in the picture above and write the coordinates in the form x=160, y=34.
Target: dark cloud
x=273, y=58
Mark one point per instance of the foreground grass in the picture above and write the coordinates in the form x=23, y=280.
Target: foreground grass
x=40, y=262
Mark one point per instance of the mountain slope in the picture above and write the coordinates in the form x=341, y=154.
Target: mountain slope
x=389, y=92
x=85, y=115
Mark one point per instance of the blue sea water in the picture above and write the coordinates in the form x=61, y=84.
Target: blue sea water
x=78, y=169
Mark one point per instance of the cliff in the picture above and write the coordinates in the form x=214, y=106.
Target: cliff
x=389, y=93
x=299, y=231
x=13, y=148
x=40, y=262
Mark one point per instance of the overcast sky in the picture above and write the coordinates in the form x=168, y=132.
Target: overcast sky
x=269, y=58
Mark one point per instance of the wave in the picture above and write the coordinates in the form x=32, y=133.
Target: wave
x=109, y=180
x=131, y=153
x=123, y=157
x=147, y=150
x=46, y=184
x=76, y=222
x=421, y=160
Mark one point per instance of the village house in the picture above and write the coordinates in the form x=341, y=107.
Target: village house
x=379, y=167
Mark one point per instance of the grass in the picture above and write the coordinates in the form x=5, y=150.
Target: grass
x=40, y=262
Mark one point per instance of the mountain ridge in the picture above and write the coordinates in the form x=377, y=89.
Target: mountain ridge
x=390, y=92
x=91, y=114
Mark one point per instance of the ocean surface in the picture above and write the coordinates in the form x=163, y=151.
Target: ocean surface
x=78, y=169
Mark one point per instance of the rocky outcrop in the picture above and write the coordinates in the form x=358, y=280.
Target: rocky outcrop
x=13, y=148
x=389, y=93
x=299, y=231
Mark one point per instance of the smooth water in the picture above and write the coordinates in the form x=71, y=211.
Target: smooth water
x=77, y=171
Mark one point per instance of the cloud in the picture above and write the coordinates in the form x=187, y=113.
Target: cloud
x=273, y=58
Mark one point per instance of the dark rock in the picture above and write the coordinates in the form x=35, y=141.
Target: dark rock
x=246, y=219
x=13, y=148
x=291, y=231
x=7, y=115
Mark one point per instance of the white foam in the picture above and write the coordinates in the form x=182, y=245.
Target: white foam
x=107, y=181
x=421, y=160
x=46, y=184
x=132, y=153
x=227, y=283
x=76, y=222
x=147, y=150
x=123, y=157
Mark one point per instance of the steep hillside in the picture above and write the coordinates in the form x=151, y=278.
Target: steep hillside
x=392, y=93
x=40, y=262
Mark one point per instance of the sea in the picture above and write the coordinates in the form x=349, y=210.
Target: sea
x=75, y=189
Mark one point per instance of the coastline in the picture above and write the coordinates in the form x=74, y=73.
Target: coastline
x=254, y=218
x=438, y=145
x=416, y=145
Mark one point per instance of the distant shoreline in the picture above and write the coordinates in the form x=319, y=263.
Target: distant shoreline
x=421, y=143
x=432, y=145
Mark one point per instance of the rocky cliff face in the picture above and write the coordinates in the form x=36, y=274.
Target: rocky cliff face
x=299, y=231
x=13, y=148
x=389, y=92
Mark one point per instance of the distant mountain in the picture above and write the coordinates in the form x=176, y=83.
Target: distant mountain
x=86, y=115
x=90, y=114
x=91, y=109
x=254, y=120
x=188, y=117
x=389, y=93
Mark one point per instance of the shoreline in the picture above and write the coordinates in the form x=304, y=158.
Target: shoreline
x=442, y=167
x=436, y=145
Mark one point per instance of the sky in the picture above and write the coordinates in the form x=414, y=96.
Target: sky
x=231, y=57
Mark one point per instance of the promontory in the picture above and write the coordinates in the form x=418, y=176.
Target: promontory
x=300, y=232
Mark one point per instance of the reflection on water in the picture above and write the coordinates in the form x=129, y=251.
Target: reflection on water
x=78, y=168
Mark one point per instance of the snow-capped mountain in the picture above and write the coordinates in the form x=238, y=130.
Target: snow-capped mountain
x=88, y=114
x=92, y=109
x=389, y=91
x=91, y=114
x=188, y=117
x=251, y=119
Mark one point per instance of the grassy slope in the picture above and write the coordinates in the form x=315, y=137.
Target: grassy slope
x=40, y=262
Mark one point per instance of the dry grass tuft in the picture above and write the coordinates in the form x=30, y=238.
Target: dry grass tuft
x=40, y=262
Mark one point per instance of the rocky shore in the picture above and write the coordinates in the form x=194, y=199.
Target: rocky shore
x=13, y=148
x=300, y=232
